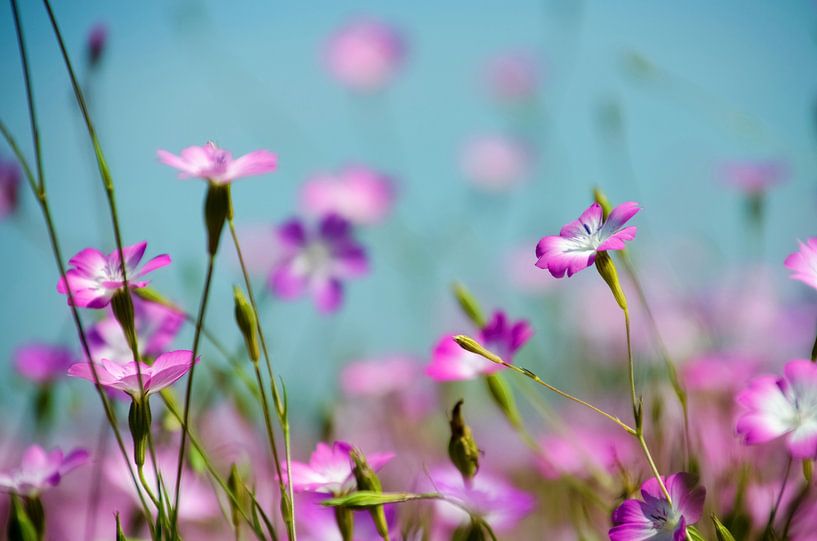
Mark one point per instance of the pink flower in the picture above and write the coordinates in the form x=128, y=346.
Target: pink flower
x=365, y=54
x=317, y=262
x=654, y=518
x=357, y=193
x=495, y=163
x=42, y=363
x=95, y=277
x=97, y=38
x=513, y=77
x=754, y=177
x=330, y=469
x=156, y=327
x=165, y=371
x=450, y=362
x=378, y=377
x=216, y=165
x=40, y=470
x=784, y=406
x=717, y=372
x=316, y=522
x=582, y=449
x=578, y=242
x=9, y=185
x=803, y=263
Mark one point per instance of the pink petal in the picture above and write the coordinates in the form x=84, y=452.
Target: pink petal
x=254, y=163
x=327, y=294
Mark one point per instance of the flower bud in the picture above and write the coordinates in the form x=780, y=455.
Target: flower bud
x=367, y=479
x=462, y=449
x=139, y=420
x=607, y=270
x=245, y=318
x=503, y=398
x=122, y=306
x=218, y=208
x=469, y=305
x=602, y=200
x=345, y=518
x=236, y=487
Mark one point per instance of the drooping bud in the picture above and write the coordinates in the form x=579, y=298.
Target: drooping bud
x=503, y=398
x=368, y=480
x=139, y=420
x=603, y=202
x=469, y=305
x=218, y=208
x=462, y=449
x=607, y=270
x=122, y=306
x=247, y=323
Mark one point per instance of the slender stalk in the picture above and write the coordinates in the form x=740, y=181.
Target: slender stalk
x=93, y=496
x=779, y=499
x=268, y=426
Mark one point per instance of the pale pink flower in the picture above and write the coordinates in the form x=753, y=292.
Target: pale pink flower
x=357, y=193
x=803, y=263
x=496, y=163
x=365, y=54
x=379, y=377
x=513, y=77
x=580, y=451
x=754, y=177
x=330, y=469
x=216, y=165
x=40, y=470
x=42, y=363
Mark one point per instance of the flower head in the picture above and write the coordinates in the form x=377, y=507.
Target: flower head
x=578, y=243
x=42, y=363
x=495, y=163
x=216, y=165
x=9, y=185
x=97, y=38
x=653, y=518
x=40, y=470
x=330, y=469
x=450, y=362
x=357, y=193
x=94, y=277
x=784, y=406
x=165, y=371
x=803, y=263
x=365, y=54
x=513, y=77
x=317, y=261
x=754, y=178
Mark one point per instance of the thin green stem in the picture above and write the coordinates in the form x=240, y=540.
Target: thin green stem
x=268, y=426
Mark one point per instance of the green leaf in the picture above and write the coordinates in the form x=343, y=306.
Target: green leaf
x=694, y=534
x=362, y=499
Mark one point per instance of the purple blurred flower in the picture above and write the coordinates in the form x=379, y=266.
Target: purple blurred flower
x=97, y=38
x=378, y=377
x=156, y=327
x=357, y=193
x=329, y=470
x=803, y=263
x=495, y=163
x=166, y=370
x=42, y=363
x=578, y=242
x=450, y=362
x=40, y=470
x=784, y=406
x=513, y=77
x=9, y=185
x=216, y=165
x=654, y=518
x=95, y=277
x=317, y=262
x=754, y=177
x=365, y=54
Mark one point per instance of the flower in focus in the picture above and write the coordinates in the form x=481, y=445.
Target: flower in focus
x=9, y=185
x=450, y=362
x=803, y=263
x=653, y=518
x=95, y=277
x=216, y=165
x=784, y=406
x=513, y=77
x=42, y=363
x=97, y=38
x=357, y=193
x=365, y=54
x=40, y=470
x=329, y=470
x=317, y=262
x=165, y=371
x=754, y=178
x=578, y=242
x=495, y=163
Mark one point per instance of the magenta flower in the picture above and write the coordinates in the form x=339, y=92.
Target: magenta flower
x=216, y=165
x=784, y=406
x=97, y=38
x=42, y=363
x=9, y=186
x=513, y=77
x=357, y=193
x=317, y=262
x=40, y=470
x=365, y=54
x=450, y=362
x=330, y=469
x=495, y=163
x=653, y=518
x=754, y=178
x=95, y=277
x=578, y=242
x=165, y=371
x=803, y=263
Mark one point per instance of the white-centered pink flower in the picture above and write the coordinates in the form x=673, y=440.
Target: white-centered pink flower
x=803, y=263
x=365, y=54
x=330, y=469
x=40, y=470
x=94, y=277
x=216, y=165
x=782, y=407
x=357, y=193
x=576, y=245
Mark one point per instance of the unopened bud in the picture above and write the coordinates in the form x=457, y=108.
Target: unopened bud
x=462, y=449
x=247, y=323
x=607, y=270
x=139, y=420
x=368, y=480
x=218, y=208
x=120, y=535
x=236, y=487
x=603, y=202
x=469, y=305
x=122, y=306
x=469, y=344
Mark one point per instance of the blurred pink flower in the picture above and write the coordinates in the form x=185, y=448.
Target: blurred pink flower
x=357, y=193
x=522, y=275
x=216, y=165
x=449, y=362
x=513, y=77
x=365, y=54
x=495, y=163
x=40, y=470
x=782, y=406
x=329, y=470
x=97, y=38
x=9, y=186
x=317, y=522
x=578, y=242
x=95, y=277
x=42, y=363
x=379, y=377
x=754, y=177
x=717, y=372
x=803, y=263
x=580, y=451
x=165, y=371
